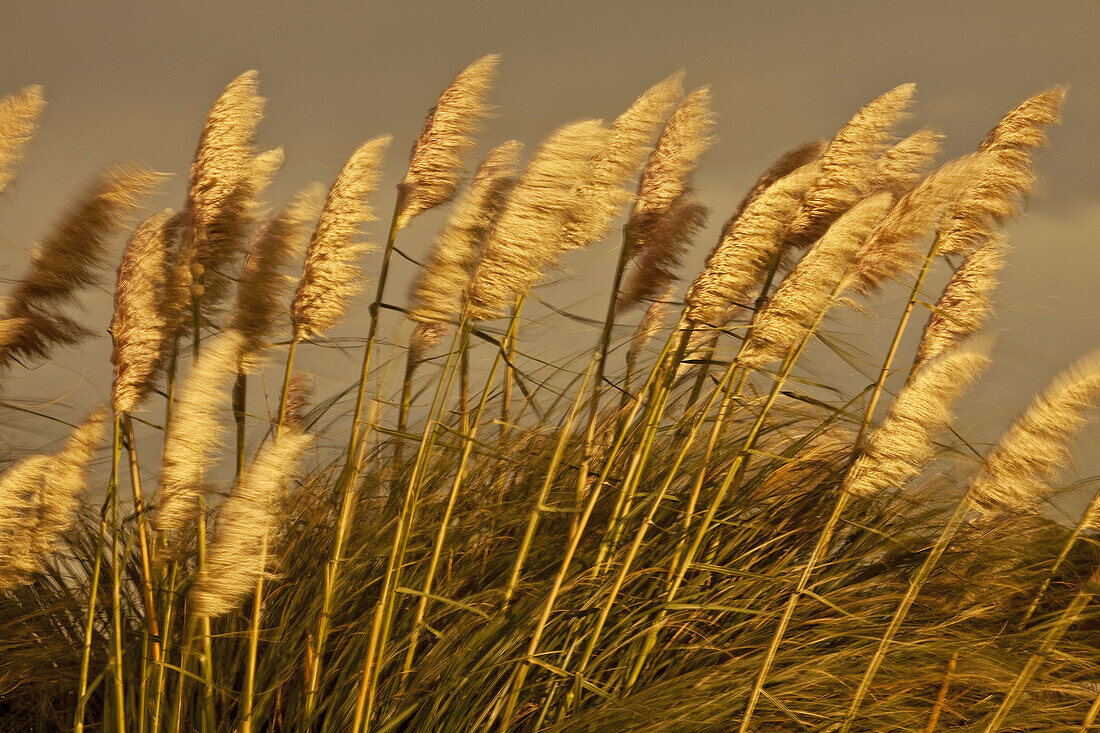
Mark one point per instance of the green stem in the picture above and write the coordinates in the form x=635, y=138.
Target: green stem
x=253, y=646
x=89, y=622
x=116, y=581
x=240, y=395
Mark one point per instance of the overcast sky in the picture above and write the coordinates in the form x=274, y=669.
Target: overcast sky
x=133, y=81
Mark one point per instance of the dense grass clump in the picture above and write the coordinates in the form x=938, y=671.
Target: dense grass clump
x=695, y=537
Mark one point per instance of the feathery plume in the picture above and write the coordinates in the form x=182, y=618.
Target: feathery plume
x=330, y=276
x=664, y=180
x=601, y=194
x=667, y=238
x=71, y=258
x=225, y=176
x=747, y=246
x=964, y=304
x=263, y=286
x=437, y=294
x=898, y=448
x=18, y=117
x=650, y=325
x=889, y=250
x=1022, y=128
x=247, y=523
x=138, y=328
x=1017, y=471
x=1007, y=179
x=436, y=161
x=905, y=164
x=807, y=289
x=523, y=240
x=784, y=165
x=39, y=498
x=848, y=164
x=195, y=432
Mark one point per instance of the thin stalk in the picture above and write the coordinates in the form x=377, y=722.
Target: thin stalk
x=544, y=492
x=350, y=472
x=207, y=638
x=253, y=646
x=287, y=373
x=143, y=538
x=916, y=582
x=240, y=396
x=161, y=668
x=89, y=623
x=509, y=347
x=116, y=581
x=364, y=706
x=941, y=696
x=1090, y=716
x=469, y=434
x=880, y=383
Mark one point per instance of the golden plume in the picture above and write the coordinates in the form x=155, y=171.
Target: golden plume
x=749, y=243
x=848, y=164
x=435, y=164
x=71, y=258
x=330, y=276
x=898, y=448
x=1023, y=127
x=964, y=304
x=138, y=329
x=889, y=250
x=807, y=289
x=1016, y=473
x=194, y=432
x=601, y=194
x=18, y=118
x=39, y=499
x=263, y=286
x=437, y=294
x=247, y=523
x=784, y=165
x=523, y=240
x=905, y=164
x=225, y=176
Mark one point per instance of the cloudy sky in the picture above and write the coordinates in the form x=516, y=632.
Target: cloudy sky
x=132, y=81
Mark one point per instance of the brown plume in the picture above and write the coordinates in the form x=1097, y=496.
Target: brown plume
x=964, y=304
x=667, y=238
x=71, y=258
x=39, y=499
x=264, y=286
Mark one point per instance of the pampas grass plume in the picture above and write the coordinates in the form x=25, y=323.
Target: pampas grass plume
x=436, y=161
x=195, y=433
x=437, y=293
x=138, y=329
x=1016, y=473
x=18, y=117
x=247, y=523
x=523, y=240
x=330, y=276
x=902, y=444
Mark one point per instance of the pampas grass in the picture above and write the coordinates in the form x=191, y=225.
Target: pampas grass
x=755, y=548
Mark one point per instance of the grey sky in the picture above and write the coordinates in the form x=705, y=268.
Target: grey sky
x=134, y=80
